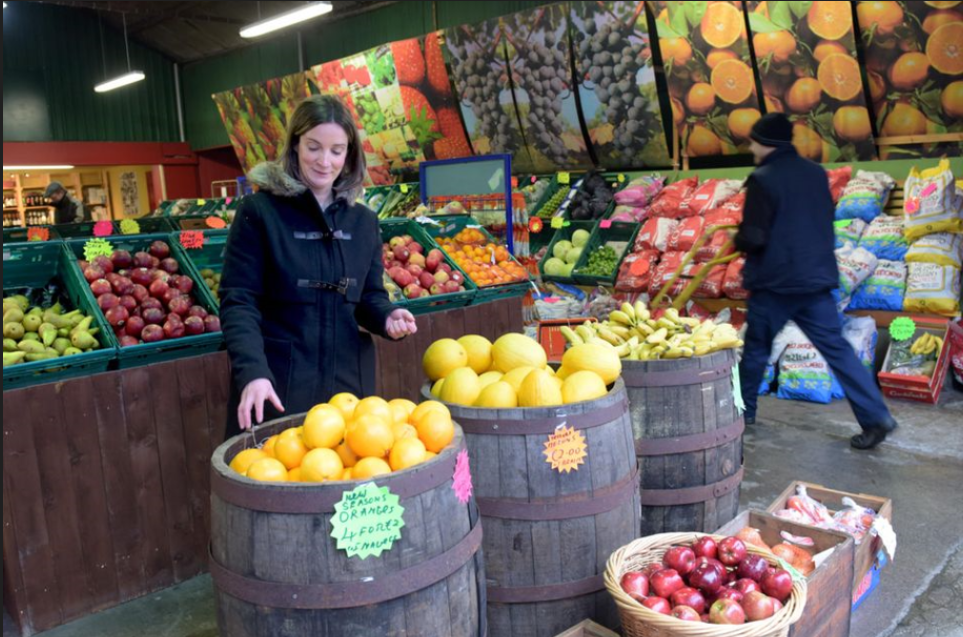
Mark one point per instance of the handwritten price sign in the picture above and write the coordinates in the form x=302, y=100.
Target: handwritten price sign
x=368, y=521
x=192, y=239
x=566, y=450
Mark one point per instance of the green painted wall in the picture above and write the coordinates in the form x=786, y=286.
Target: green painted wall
x=51, y=62
x=323, y=43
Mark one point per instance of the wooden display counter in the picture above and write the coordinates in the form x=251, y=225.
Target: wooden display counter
x=106, y=479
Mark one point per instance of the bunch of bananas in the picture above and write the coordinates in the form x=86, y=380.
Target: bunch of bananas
x=637, y=336
x=927, y=345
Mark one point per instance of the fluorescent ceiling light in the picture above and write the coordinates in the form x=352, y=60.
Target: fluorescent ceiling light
x=129, y=78
x=18, y=168
x=283, y=21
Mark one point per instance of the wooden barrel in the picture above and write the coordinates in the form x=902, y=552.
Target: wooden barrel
x=277, y=571
x=688, y=437
x=548, y=535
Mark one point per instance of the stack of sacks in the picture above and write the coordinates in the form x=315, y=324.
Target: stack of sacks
x=885, y=289
x=865, y=196
x=849, y=232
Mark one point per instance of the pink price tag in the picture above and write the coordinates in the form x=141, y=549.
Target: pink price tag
x=462, y=482
x=605, y=224
x=229, y=201
x=534, y=179
x=912, y=206
x=103, y=229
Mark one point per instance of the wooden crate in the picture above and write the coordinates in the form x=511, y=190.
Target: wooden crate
x=920, y=389
x=828, y=604
x=870, y=547
x=588, y=628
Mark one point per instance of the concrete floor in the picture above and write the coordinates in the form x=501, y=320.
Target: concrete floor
x=920, y=468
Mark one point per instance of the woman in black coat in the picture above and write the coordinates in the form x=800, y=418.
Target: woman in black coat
x=303, y=274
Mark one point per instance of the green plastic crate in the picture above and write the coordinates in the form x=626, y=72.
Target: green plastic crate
x=150, y=225
x=150, y=353
x=564, y=234
x=208, y=257
x=624, y=232
x=426, y=305
x=553, y=188
x=36, y=265
x=19, y=235
x=83, y=230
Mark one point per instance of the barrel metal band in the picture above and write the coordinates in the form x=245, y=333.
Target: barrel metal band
x=342, y=595
x=548, y=593
x=635, y=379
x=689, y=444
x=534, y=426
x=321, y=501
x=562, y=508
x=693, y=495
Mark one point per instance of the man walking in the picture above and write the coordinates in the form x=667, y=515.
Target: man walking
x=788, y=238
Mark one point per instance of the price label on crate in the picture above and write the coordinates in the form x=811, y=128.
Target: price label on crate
x=902, y=329
x=201, y=202
x=368, y=521
x=621, y=179
x=97, y=248
x=38, y=235
x=605, y=224
x=215, y=223
x=564, y=178
x=129, y=226
x=566, y=450
x=192, y=239
x=536, y=225
x=103, y=229
x=462, y=484
x=559, y=222
x=404, y=189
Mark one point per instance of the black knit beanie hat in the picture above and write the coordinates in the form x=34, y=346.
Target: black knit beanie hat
x=773, y=129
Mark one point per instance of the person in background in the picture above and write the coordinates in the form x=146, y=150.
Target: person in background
x=303, y=275
x=67, y=209
x=788, y=237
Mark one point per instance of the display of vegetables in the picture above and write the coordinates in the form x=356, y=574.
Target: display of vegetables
x=638, y=336
x=212, y=280
x=550, y=208
x=33, y=334
x=603, y=261
x=592, y=200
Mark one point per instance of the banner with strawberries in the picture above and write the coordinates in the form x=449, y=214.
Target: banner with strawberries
x=806, y=55
x=914, y=65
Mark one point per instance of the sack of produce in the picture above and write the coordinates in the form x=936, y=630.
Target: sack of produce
x=942, y=249
x=671, y=261
x=710, y=195
x=685, y=235
x=956, y=350
x=884, y=290
x=655, y=234
x=849, y=232
x=637, y=270
x=865, y=196
x=711, y=286
x=641, y=191
x=716, y=247
x=884, y=238
x=629, y=214
x=838, y=180
x=862, y=334
x=803, y=373
x=728, y=214
x=733, y=287
x=668, y=202
x=934, y=289
x=931, y=203
x=855, y=266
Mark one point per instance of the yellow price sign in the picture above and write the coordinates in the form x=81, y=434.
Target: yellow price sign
x=404, y=189
x=564, y=178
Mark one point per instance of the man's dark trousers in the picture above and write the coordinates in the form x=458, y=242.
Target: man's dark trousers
x=817, y=317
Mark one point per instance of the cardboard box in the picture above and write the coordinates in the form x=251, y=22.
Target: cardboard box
x=588, y=628
x=920, y=388
x=829, y=601
x=868, y=550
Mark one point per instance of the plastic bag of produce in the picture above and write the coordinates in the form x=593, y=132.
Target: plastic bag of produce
x=636, y=271
x=956, y=350
x=640, y=192
x=931, y=203
x=628, y=214
x=838, y=180
x=728, y=214
x=865, y=196
x=855, y=266
x=934, y=289
x=803, y=373
x=710, y=195
x=884, y=238
x=849, y=232
x=862, y=334
x=733, y=286
x=671, y=261
x=655, y=234
x=884, y=290
x=941, y=249
x=685, y=235
x=716, y=248
x=668, y=202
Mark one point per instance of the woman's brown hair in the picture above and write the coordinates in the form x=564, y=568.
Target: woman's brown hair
x=311, y=113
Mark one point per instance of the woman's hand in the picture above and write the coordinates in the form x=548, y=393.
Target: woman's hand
x=401, y=323
x=253, y=397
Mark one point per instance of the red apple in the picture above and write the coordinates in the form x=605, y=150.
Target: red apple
x=417, y=258
x=141, y=276
x=437, y=289
x=153, y=316
x=129, y=303
x=451, y=287
x=426, y=280
x=93, y=273
x=442, y=277
x=395, y=264
x=754, y=567
x=158, y=289
x=212, y=324
x=142, y=260
x=152, y=334
x=160, y=250
x=185, y=284
x=777, y=584
x=154, y=263
x=706, y=547
x=727, y=612
x=122, y=259
x=170, y=295
x=117, y=316
x=652, y=569
x=686, y=614
x=174, y=329
x=444, y=267
x=416, y=248
x=746, y=586
x=108, y=301
x=170, y=266
x=83, y=265
x=777, y=606
x=636, y=586
x=402, y=254
x=140, y=293
x=732, y=550
x=434, y=259
x=199, y=312
x=151, y=303
x=194, y=326
x=658, y=604
x=758, y=606
x=415, y=270
x=160, y=275
x=689, y=597
x=458, y=277
x=414, y=291
x=101, y=287
x=181, y=305
x=129, y=341
x=681, y=559
x=124, y=273
x=666, y=582
x=104, y=264
x=135, y=325
x=395, y=242
x=122, y=286
x=707, y=578
x=729, y=593
x=702, y=561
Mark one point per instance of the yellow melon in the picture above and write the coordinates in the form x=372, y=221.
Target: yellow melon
x=539, y=389
x=479, y=350
x=498, y=395
x=582, y=387
x=489, y=378
x=517, y=350
x=436, y=388
x=444, y=357
x=604, y=361
x=517, y=376
x=461, y=387
x=563, y=373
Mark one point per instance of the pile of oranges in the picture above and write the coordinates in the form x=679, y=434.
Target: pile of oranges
x=349, y=439
x=485, y=263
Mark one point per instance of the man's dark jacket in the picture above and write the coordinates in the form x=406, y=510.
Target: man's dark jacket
x=282, y=320
x=787, y=232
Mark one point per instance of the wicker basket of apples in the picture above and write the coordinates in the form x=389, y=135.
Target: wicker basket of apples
x=696, y=585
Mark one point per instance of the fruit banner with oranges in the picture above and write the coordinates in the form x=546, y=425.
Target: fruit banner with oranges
x=914, y=63
x=806, y=55
x=708, y=66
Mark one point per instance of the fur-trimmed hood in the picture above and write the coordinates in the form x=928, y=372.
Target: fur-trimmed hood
x=272, y=178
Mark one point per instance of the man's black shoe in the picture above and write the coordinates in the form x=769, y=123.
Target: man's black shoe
x=750, y=420
x=872, y=438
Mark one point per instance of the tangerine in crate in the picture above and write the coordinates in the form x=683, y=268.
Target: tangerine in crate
x=485, y=263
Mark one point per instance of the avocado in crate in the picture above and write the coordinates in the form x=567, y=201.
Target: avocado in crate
x=602, y=256
x=157, y=307
x=52, y=329
x=565, y=251
x=207, y=261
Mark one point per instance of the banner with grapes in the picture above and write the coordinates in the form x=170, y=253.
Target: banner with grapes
x=539, y=55
x=256, y=116
x=914, y=64
x=617, y=85
x=708, y=66
x=478, y=59
x=806, y=54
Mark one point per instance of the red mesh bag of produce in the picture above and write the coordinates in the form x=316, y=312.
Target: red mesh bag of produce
x=838, y=179
x=665, y=270
x=685, y=235
x=711, y=194
x=715, y=248
x=669, y=202
x=636, y=272
x=729, y=213
x=956, y=350
x=733, y=286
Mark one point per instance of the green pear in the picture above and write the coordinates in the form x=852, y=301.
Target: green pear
x=13, y=358
x=44, y=356
x=32, y=322
x=13, y=315
x=62, y=345
x=10, y=345
x=72, y=351
x=48, y=334
x=83, y=340
x=31, y=336
x=14, y=331
x=31, y=347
